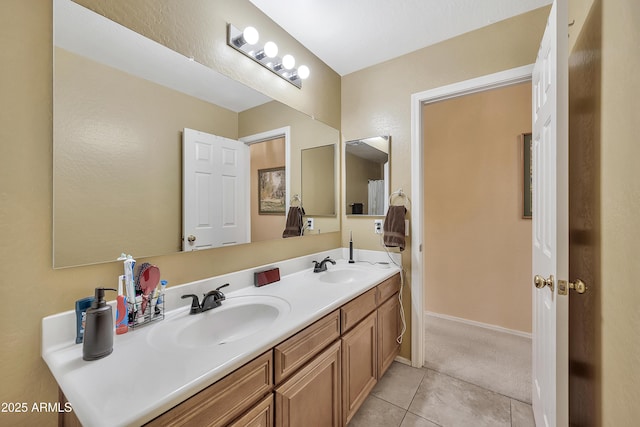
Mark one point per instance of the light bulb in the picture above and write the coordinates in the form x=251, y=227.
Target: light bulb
x=303, y=72
x=271, y=49
x=288, y=62
x=250, y=35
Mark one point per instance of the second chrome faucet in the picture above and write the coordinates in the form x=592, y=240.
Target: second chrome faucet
x=211, y=300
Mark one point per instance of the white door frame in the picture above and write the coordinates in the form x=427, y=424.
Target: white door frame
x=479, y=84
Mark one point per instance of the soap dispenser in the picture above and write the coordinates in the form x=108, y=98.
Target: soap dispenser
x=98, y=330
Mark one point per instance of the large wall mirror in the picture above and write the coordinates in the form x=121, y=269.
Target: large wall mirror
x=367, y=176
x=121, y=103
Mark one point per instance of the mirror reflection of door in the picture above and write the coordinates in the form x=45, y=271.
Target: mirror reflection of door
x=213, y=187
x=367, y=176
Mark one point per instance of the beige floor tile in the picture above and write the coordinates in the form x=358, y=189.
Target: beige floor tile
x=376, y=412
x=412, y=420
x=521, y=415
x=399, y=384
x=450, y=402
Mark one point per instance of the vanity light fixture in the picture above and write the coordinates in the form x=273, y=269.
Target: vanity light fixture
x=246, y=42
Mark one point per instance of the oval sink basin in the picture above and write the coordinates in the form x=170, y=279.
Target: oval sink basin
x=342, y=275
x=237, y=318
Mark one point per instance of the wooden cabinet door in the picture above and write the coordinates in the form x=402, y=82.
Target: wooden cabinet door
x=359, y=365
x=388, y=331
x=311, y=397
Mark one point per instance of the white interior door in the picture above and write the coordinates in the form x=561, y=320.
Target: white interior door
x=550, y=222
x=215, y=183
x=234, y=186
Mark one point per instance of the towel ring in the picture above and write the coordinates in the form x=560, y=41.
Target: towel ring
x=398, y=193
x=294, y=199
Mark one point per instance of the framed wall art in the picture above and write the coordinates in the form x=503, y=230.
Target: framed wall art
x=271, y=191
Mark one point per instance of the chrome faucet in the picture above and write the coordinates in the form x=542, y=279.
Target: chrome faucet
x=211, y=300
x=322, y=265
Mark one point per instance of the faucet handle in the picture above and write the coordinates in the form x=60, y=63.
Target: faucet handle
x=221, y=296
x=195, y=303
x=223, y=286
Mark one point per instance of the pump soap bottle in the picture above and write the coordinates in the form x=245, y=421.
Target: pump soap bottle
x=98, y=330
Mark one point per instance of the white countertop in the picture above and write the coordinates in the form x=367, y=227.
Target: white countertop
x=140, y=380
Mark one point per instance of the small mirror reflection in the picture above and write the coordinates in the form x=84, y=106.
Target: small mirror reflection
x=367, y=175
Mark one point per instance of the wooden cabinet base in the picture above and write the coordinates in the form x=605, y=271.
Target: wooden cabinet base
x=359, y=365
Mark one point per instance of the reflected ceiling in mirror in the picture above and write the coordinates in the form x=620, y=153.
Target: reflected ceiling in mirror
x=121, y=102
x=367, y=176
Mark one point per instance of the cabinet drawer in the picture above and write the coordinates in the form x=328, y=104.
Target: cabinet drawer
x=224, y=400
x=297, y=350
x=260, y=415
x=356, y=310
x=388, y=288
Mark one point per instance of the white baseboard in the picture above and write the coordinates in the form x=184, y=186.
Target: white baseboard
x=403, y=360
x=479, y=324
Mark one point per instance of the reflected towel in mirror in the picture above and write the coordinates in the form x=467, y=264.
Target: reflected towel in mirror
x=294, y=222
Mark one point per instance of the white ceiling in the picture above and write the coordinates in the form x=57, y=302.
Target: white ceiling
x=349, y=35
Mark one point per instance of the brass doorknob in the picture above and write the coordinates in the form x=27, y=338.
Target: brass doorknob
x=541, y=282
x=579, y=286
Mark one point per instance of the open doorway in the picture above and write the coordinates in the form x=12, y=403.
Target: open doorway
x=418, y=267
x=478, y=239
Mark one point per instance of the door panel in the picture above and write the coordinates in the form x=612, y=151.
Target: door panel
x=550, y=222
x=215, y=185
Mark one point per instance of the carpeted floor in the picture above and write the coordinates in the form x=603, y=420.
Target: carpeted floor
x=497, y=361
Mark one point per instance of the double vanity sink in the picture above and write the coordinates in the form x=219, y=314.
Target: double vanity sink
x=154, y=368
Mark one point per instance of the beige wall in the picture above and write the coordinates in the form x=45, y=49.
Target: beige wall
x=30, y=287
x=376, y=101
x=477, y=245
x=98, y=178
x=620, y=205
x=265, y=155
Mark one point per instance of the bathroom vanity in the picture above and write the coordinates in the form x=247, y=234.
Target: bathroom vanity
x=333, y=336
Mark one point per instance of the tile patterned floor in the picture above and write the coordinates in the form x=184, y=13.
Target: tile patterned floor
x=420, y=397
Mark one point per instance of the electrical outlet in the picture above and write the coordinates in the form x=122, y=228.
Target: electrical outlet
x=377, y=226
x=309, y=223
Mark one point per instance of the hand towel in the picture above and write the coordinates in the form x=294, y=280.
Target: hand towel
x=294, y=222
x=394, y=227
